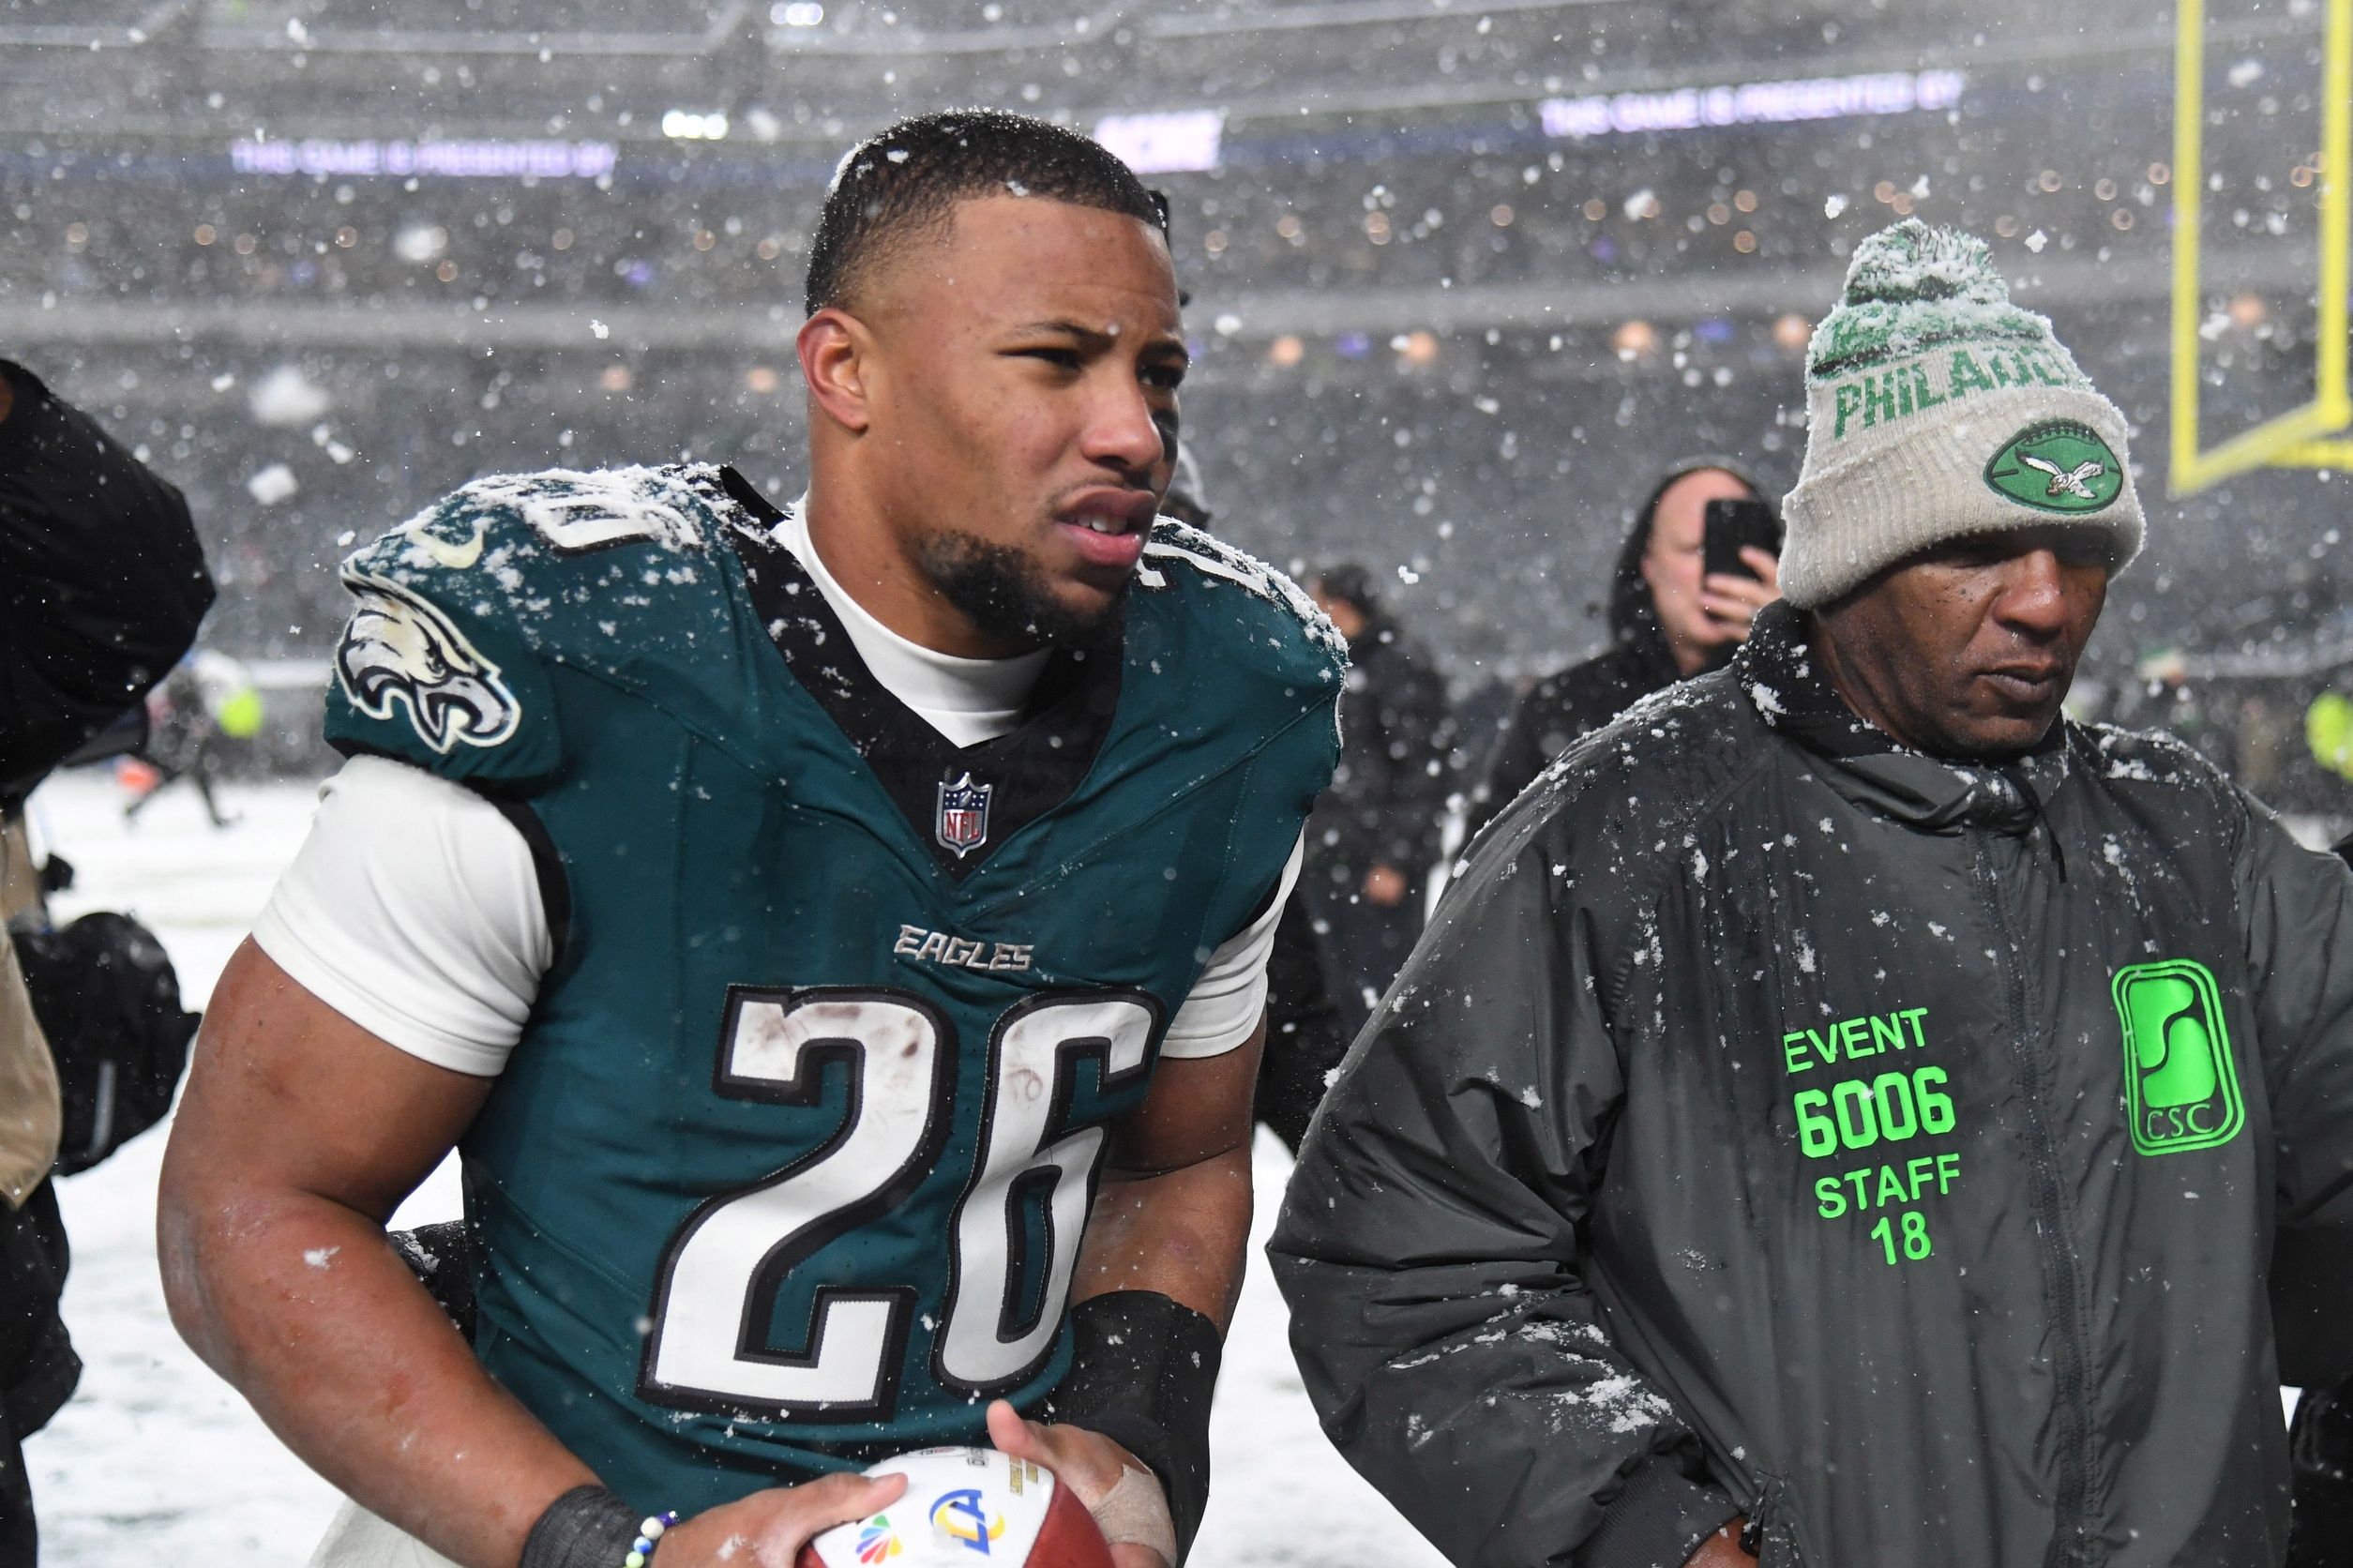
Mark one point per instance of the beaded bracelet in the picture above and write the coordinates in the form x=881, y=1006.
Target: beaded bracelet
x=641, y=1550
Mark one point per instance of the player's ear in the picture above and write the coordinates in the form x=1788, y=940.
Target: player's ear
x=835, y=349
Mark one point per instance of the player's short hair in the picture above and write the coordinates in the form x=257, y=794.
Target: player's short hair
x=902, y=186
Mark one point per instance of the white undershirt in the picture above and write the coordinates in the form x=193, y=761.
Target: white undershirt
x=414, y=908
x=967, y=699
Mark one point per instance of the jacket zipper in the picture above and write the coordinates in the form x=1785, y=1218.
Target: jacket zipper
x=2071, y=1544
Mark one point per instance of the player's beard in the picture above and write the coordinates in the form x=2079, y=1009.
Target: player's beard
x=1003, y=591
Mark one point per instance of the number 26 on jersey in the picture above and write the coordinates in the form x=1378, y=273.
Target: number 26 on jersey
x=711, y=1346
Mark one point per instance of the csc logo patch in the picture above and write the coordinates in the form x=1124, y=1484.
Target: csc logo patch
x=399, y=649
x=2180, y=1082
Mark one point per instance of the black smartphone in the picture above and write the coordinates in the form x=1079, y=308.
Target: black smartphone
x=1733, y=525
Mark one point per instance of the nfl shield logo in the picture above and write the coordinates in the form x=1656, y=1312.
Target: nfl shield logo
x=963, y=816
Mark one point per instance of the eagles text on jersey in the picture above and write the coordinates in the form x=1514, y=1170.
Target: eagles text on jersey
x=789, y=1167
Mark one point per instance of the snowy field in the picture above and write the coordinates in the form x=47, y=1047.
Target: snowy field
x=156, y=1462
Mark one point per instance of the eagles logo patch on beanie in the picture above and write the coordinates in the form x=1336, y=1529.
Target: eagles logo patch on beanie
x=2057, y=466
x=1923, y=367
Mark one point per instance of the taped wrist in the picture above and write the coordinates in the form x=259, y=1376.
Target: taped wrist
x=588, y=1527
x=1137, y=1510
x=1141, y=1371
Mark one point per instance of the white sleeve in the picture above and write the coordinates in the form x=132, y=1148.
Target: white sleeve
x=415, y=911
x=1229, y=998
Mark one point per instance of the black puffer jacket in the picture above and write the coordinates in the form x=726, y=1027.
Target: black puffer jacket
x=1893, y=1151
x=1569, y=705
x=1387, y=802
x=1562, y=709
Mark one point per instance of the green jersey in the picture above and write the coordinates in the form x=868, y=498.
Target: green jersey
x=792, y=1163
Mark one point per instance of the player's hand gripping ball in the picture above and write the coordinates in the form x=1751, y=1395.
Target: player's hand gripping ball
x=964, y=1507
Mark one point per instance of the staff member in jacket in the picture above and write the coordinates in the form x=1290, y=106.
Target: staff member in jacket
x=1847, y=1109
x=1669, y=620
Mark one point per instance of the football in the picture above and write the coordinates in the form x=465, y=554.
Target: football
x=962, y=1506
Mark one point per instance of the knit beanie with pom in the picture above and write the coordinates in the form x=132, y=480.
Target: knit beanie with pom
x=1937, y=409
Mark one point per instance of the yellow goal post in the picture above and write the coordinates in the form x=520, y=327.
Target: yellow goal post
x=2319, y=434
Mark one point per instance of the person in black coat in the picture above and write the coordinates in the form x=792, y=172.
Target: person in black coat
x=1666, y=622
x=102, y=587
x=102, y=581
x=1374, y=838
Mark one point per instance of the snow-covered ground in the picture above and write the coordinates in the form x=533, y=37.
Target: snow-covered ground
x=156, y=1462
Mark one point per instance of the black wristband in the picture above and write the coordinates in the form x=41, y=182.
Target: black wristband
x=588, y=1527
x=1141, y=1371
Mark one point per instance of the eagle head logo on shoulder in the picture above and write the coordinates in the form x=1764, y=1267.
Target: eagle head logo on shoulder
x=400, y=649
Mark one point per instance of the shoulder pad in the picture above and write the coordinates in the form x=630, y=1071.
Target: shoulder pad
x=559, y=514
x=1270, y=621
x=463, y=607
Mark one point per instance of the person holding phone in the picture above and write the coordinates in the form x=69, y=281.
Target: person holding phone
x=1700, y=561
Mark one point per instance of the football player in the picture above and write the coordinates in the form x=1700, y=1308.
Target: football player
x=833, y=935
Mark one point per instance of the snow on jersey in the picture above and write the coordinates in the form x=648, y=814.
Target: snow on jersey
x=791, y=1165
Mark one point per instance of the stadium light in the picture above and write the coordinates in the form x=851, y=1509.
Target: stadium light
x=800, y=14
x=1635, y=339
x=1184, y=141
x=420, y=242
x=685, y=125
